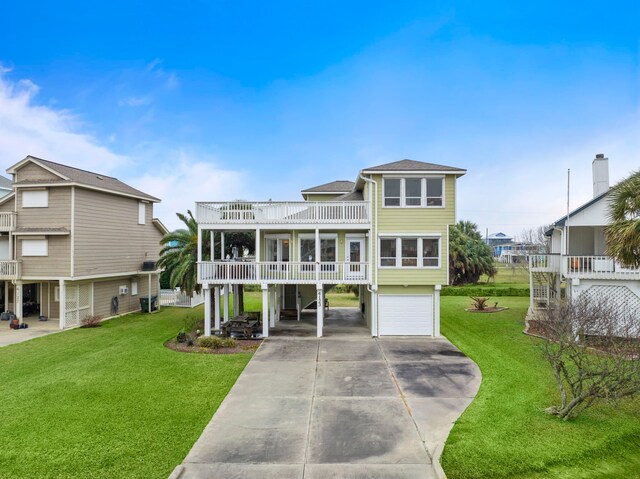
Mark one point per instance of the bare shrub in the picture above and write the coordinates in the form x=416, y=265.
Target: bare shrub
x=91, y=322
x=594, y=352
x=480, y=303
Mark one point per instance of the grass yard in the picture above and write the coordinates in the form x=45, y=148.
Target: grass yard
x=253, y=300
x=505, y=432
x=110, y=402
x=508, y=275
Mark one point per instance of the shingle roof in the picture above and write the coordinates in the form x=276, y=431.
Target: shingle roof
x=340, y=186
x=412, y=165
x=5, y=183
x=88, y=178
x=44, y=230
x=353, y=196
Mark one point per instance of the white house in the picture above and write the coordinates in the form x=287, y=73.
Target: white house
x=578, y=254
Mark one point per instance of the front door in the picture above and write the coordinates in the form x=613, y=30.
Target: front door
x=355, y=258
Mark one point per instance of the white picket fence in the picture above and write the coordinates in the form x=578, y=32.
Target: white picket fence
x=170, y=297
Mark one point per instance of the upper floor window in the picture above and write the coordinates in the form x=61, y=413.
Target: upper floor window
x=413, y=192
x=35, y=198
x=35, y=247
x=142, y=213
x=410, y=252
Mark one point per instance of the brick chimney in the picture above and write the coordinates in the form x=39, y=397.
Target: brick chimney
x=600, y=168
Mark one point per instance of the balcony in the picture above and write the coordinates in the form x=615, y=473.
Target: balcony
x=283, y=213
x=272, y=272
x=587, y=267
x=7, y=221
x=10, y=270
x=597, y=267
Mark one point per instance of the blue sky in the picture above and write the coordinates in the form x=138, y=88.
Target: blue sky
x=256, y=100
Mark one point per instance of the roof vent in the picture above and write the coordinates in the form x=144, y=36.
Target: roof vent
x=99, y=177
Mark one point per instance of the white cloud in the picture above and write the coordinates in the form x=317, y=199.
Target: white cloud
x=182, y=182
x=134, y=101
x=27, y=128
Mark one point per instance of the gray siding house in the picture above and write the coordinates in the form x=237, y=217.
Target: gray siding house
x=74, y=243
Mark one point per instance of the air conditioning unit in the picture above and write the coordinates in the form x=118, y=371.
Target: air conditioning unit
x=124, y=290
x=148, y=266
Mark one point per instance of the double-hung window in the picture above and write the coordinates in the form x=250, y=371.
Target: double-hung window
x=392, y=191
x=410, y=252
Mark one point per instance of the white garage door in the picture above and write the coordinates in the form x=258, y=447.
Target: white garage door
x=404, y=314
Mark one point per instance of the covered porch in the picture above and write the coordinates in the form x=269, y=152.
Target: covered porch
x=338, y=323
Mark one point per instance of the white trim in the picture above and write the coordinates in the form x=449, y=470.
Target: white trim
x=423, y=191
x=88, y=187
x=92, y=276
x=40, y=233
x=409, y=235
x=13, y=169
x=73, y=226
x=277, y=236
x=419, y=251
x=325, y=192
x=414, y=172
x=307, y=236
x=286, y=226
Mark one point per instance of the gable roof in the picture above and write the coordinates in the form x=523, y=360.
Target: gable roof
x=339, y=186
x=5, y=183
x=499, y=236
x=414, y=166
x=562, y=221
x=89, y=179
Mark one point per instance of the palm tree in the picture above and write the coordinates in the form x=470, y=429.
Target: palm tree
x=623, y=232
x=179, y=255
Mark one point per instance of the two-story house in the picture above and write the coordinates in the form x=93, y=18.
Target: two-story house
x=75, y=243
x=387, y=232
x=578, y=254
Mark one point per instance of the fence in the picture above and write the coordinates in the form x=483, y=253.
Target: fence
x=170, y=297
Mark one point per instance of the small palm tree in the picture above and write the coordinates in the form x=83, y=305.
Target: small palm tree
x=180, y=254
x=623, y=232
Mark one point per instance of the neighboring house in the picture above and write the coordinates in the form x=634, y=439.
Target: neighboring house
x=6, y=187
x=388, y=233
x=75, y=243
x=578, y=254
x=495, y=239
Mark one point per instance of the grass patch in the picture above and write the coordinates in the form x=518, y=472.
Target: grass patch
x=505, y=431
x=343, y=300
x=110, y=402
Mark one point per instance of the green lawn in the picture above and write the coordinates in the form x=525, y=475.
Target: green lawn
x=508, y=275
x=253, y=300
x=505, y=432
x=110, y=402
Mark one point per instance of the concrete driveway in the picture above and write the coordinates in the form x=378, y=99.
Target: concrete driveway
x=35, y=330
x=336, y=408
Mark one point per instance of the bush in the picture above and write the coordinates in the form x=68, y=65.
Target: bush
x=483, y=291
x=181, y=337
x=91, y=322
x=191, y=323
x=214, y=342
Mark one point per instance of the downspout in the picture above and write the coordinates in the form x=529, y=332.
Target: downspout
x=374, y=273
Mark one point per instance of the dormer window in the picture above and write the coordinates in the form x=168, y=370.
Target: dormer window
x=413, y=192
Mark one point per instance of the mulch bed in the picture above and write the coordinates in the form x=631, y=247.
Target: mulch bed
x=243, y=346
x=485, y=310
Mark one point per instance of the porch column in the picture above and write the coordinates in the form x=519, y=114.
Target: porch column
x=279, y=298
x=298, y=303
x=17, y=291
x=236, y=300
x=226, y=302
x=6, y=296
x=436, y=310
x=222, y=257
x=216, y=299
x=265, y=311
x=149, y=298
x=257, y=254
x=207, y=310
x=62, y=301
x=212, y=236
x=272, y=306
x=320, y=309
x=318, y=252
x=199, y=243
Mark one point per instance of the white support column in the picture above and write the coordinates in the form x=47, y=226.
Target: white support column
x=17, y=291
x=212, y=237
x=272, y=306
x=149, y=298
x=216, y=298
x=436, y=310
x=374, y=313
x=225, y=301
x=62, y=297
x=236, y=300
x=207, y=310
x=199, y=243
x=6, y=295
x=318, y=253
x=320, y=309
x=298, y=302
x=265, y=310
x=222, y=256
x=279, y=298
x=257, y=254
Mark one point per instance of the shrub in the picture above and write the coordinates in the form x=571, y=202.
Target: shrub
x=479, y=303
x=483, y=291
x=91, y=322
x=214, y=342
x=190, y=340
x=181, y=337
x=191, y=323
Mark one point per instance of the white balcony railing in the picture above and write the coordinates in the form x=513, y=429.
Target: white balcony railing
x=288, y=212
x=10, y=270
x=282, y=272
x=545, y=263
x=7, y=221
x=597, y=267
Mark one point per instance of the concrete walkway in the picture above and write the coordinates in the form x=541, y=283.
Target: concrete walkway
x=336, y=408
x=35, y=330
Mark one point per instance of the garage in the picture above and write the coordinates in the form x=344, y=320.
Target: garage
x=405, y=314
